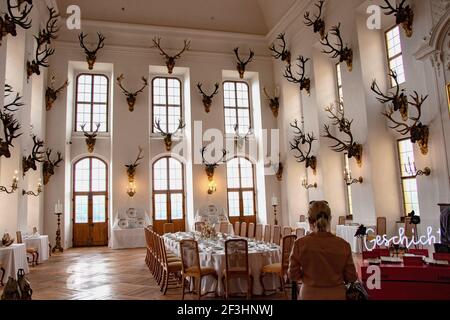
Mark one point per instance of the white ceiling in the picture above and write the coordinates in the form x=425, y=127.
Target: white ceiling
x=243, y=16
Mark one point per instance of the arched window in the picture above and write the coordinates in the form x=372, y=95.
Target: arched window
x=168, y=193
x=241, y=190
x=90, y=198
x=166, y=97
x=92, y=99
x=237, y=106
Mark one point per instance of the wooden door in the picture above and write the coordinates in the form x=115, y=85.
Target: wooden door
x=90, y=203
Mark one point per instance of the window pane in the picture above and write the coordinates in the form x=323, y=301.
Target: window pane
x=82, y=176
x=246, y=173
x=81, y=209
x=176, y=174
x=99, y=209
x=394, y=47
x=166, y=103
x=247, y=201
x=160, y=175
x=160, y=207
x=176, y=205
x=396, y=65
x=407, y=162
x=410, y=196
x=236, y=106
x=233, y=173
x=98, y=175
x=233, y=204
x=92, y=102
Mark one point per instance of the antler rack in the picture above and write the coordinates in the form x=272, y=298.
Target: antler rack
x=211, y=166
x=168, y=135
x=170, y=60
x=207, y=99
x=241, y=64
x=131, y=96
x=91, y=55
x=318, y=23
x=303, y=81
x=302, y=139
x=10, y=21
x=284, y=54
x=338, y=50
x=404, y=15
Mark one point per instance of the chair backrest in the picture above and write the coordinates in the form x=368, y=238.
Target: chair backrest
x=190, y=260
x=19, y=237
x=236, y=256
x=287, y=231
x=302, y=218
x=419, y=252
x=381, y=226
x=243, y=232
x=251, y=230
x=267, y=233
x=259, y=232
x=409, y=227
x=150, y=227
x=168, y=228
x=288, y=243
x=237, y=228
x=300, y=233
x=223, y=227
x=276, y=235
x=441, y=256
x=412, y=261
x=199, y=226
x=341, y=220
x=147, y=238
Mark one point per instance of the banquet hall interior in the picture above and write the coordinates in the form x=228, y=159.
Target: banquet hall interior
x=151, y=147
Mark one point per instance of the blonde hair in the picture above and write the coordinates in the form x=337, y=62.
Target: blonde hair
x=320, y=214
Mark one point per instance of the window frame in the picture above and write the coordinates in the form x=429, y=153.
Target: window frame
x=389, y=59
x=339, y=84
x=92, y=75
x=348, y=188
x=167, y=100
x=241, y=190
x=168, y=192
x=236, y=109
x=404, y=178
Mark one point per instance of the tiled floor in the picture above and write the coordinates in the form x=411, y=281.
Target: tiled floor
x=99, y=273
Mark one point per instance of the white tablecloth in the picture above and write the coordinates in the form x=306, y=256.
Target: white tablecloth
x=348, y=234
x=256, y=261
x=303, y=225
x=41, y=244
x=127, y=238
x=12, y=259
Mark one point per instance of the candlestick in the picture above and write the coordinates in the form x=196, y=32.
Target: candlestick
x=274, y=201
x=58, y=245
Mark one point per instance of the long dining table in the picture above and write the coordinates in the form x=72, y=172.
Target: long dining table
x=212, y=254
x=12, y=259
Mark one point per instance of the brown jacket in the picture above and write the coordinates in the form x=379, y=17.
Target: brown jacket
x=323, y=262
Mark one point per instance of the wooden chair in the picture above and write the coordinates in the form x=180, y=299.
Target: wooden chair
x=302, y=218
x=287, y=231
x=279, y=269
x=171, y=268
x=381, y=226
x=243, y=232
x=191, y=269
x=148, y=251
x=251, y=230
x=259, y=232
x=237, y=228
x=31, y=251
x=300, y=233
x=223, y=227
x=236, y=265
x=276, y=235
x=341, y=220
x=168, y=228
x=267, y=233
x=199, y=226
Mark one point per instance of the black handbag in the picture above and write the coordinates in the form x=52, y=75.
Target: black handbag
x=356, y=292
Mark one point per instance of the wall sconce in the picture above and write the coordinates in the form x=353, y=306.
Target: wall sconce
x=131, y=172
x=212, y=187
x=349, y=179
x=411, y=169
x=131, y=190
x=306, y=185
x=31, y=193
x=14, y=184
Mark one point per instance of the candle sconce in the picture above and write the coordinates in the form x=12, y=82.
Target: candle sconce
x=212, y=187
x=349, y=179
x=34, y=194
x=411, y=170
x=131, y=172
x=308, y=186
x=14, y=185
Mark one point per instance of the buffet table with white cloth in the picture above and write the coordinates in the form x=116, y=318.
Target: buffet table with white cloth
x=127, y=238
x=348, y=234
x=212, y=254
x=12, y=259
x=41, y=244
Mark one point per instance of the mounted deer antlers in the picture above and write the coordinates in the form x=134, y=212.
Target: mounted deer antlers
x=404, y=15
x=353, y=148
x=318, y=23
x=170, y=60
x=399, y=100
x=238, y=138
x=40, y=59
x=241, y=65
x=208, y=98
x=49, y=33
x=274, y=101
x=91, y=55
x=344, y=53
x=10, y=125
x=91, y=138
x=131, y=96
x=50, y=165
x=211, y=166
x=305, y=83
x=9, y=22
x=168, y=135
x=51, y=94
x=419, y=132
x=284, y=54
x=35, y=157
x=131, y=168
x=300, y=139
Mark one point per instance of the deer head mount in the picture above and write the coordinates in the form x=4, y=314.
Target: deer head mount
x=170, y=60
x=131, y=96
x=338, y=50
x=279, y=168
x=399, y=100
x=419, y=132
x=303, y=81
x=274, y=101
x=241, y=65
x=51, y=94
x=208, y=98
x=131, y=168
x=10, y=21
x=36, y=156
x=404, y=15
x=344, y=125
x=284, y=54
x=10, y=125
x=48, y=34
x=239, y=139
x=302, y=139
x=49, y=165
x=91, y=137
x=318, y=23
x=40, y=59
x=211, y=166
x=168, y=135
x=91, y=55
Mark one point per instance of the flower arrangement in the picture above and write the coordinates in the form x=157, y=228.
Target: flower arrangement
x=208, y=231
